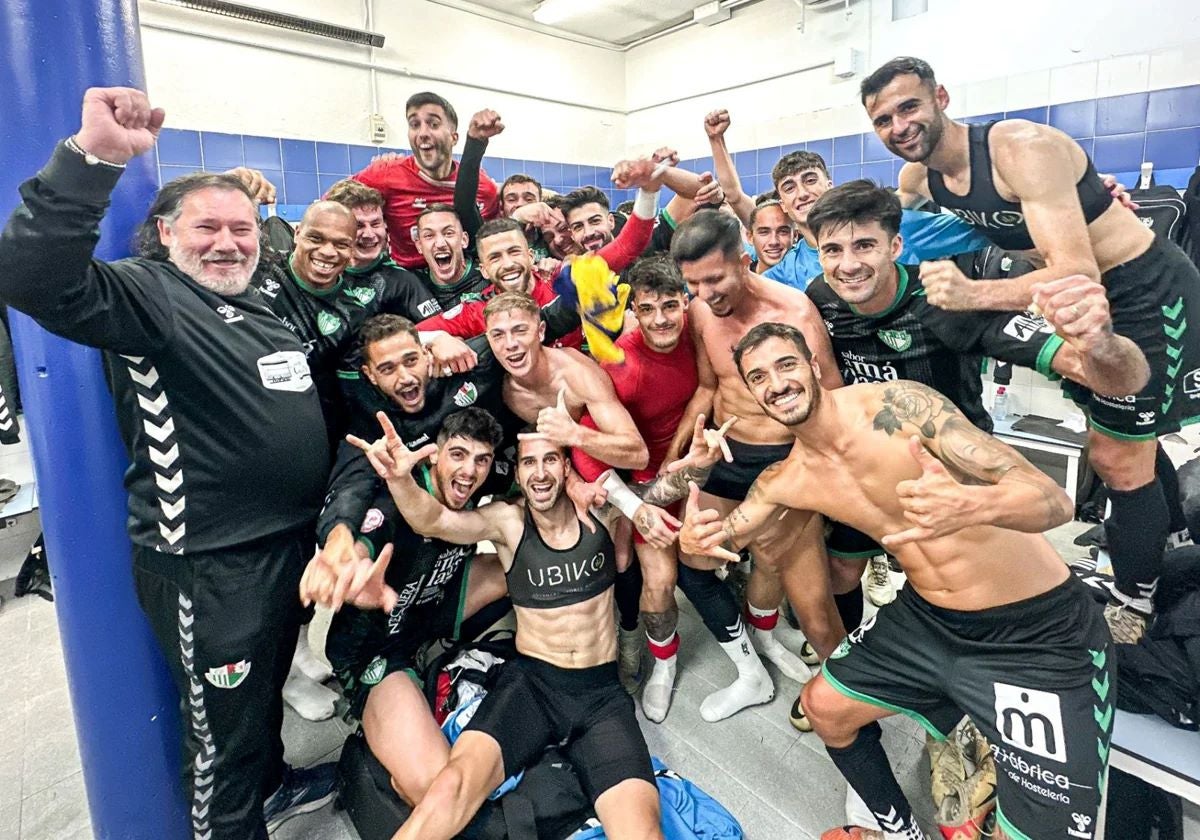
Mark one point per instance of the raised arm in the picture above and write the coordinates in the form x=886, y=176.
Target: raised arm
x=394, y=462
x=46, y=265
x=484, y=125
x=715, y=125
x=967, y=476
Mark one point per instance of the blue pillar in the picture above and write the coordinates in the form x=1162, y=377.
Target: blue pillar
x=126, y=709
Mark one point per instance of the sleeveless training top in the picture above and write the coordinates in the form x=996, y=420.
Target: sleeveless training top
x=999, y=220
x=543, y=578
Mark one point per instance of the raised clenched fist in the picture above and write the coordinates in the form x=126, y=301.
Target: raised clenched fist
x=485, y=124
x=716, y=122
x=118, y=124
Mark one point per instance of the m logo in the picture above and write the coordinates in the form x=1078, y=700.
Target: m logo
x=228, y=676
x=466, y=395
x=328, y=323
x=898, y=340
x=1030, y=720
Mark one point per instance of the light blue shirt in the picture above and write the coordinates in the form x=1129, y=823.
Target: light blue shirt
x=927, y=236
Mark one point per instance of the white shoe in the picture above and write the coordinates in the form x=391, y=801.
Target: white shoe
x=788, y=663
x=880, y=589
x=656, y=695
x=808, y=654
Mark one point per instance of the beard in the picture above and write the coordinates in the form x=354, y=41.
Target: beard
x=223, y=283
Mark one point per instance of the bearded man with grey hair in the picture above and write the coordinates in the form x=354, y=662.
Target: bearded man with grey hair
x=219, y=414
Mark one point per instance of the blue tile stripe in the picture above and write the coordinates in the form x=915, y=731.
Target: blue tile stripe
x=1119, y=132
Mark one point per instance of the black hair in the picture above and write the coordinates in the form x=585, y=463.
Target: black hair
x=430, y=98
x=625, y=207
x=492, y=227
x=796, y=162
x=168, y=204
x=761, y=333
x=705, y=232
x=438, y=207
x=855, y=201
x=904, y=65
x=385, y=325
x=473, y=424
x=584, y=195
x=657, y=275
x=520, y=178
x=763, y=205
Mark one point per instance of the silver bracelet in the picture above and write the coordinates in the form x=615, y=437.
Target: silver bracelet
x=89, y=158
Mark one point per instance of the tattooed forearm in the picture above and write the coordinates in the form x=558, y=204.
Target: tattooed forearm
x=912, y=402
x=973, y=454
x=671, y=487
x=976, y=457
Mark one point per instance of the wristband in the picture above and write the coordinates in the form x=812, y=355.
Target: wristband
x=620, y=496
x=89, y=158
x=645, y=205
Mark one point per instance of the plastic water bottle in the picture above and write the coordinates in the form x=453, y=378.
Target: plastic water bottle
x=1000, y=404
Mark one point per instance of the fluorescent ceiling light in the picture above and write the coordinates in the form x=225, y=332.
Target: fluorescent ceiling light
x=550, y=12
x=279, y=19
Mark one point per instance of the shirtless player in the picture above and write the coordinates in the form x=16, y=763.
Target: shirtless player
x=729, y=300
x=1031, y=188
x=563, y=686
x=991, y=623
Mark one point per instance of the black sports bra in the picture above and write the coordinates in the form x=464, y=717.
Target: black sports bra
x=542, y=577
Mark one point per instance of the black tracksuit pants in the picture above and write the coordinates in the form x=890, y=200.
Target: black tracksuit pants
x=227, y=621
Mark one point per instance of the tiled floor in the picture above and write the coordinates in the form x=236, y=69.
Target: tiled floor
x=779, y=783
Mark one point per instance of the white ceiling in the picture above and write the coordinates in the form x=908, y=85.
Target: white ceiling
x=615, y=21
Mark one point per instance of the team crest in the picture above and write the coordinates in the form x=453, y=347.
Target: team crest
x=328, y=323
x=466, y=395
x=362, y=294
x=898, y=340
x=841, y=650
x=373, y=673
x=372, y=520
x=228, y=676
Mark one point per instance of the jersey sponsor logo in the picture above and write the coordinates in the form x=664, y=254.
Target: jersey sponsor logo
x=861, y=369
x=1024, y=327
x=990, y=219
x=328, y=323
x=1191, y=382
x=466, y=395
x=228, y=676
x=270, y=288
x=419, y=204
x=286, y=370
x=230, y=314
x=1032, y=776
x=1125, y=403
x=428, y=308
x=371, y=521
x=567, y=572
x=362, y=294
x=898, y=340
x=373, y=673
x=453, y=312
x=1030, y=720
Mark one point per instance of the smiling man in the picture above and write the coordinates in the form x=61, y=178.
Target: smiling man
x=1031, y=188
x=964, y=514
x=449, y=273
x=410, y=185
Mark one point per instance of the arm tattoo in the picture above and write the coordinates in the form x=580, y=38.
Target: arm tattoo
x=671, y=487
x=912, y=402
x=978, y=458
